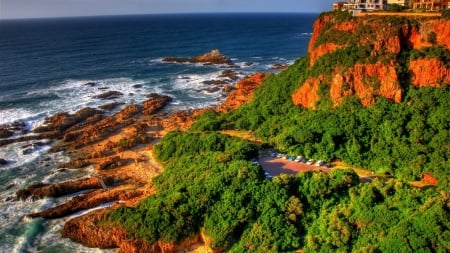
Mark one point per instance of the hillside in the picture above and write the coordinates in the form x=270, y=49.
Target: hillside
x=372, y=92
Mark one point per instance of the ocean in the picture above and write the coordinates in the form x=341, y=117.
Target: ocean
x=45, y=65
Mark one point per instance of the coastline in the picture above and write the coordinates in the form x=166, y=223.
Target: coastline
x=119, y=149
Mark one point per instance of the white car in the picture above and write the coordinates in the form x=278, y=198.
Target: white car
x=299, y=159
x=310, y=161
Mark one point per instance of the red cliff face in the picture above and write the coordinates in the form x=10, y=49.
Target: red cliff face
x=419, y=38
x=429, y=72
x=376, y=75
x=326, y=48
x=242, y=92
x=366, y=82
x=307, y=95
x=382, y=35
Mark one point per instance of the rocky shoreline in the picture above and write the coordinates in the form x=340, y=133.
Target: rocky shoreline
x=119, y=148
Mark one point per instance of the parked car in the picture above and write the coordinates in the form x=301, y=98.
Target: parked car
x=310, y=161
x=320, y=163
x=268, y=176
x=299, y=159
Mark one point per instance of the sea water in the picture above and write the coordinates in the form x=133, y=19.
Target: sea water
x=45, y=65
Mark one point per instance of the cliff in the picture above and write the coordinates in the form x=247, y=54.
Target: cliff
x=242, y=92
x=374, y=56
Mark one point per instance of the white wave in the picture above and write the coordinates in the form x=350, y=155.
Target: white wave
x=15, y=114
x=19, y=154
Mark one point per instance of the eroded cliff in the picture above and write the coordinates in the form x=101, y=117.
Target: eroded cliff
x=374, y=56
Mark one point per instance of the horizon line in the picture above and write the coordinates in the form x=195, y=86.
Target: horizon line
x=157, y=14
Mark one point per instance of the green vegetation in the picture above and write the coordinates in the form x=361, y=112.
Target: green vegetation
x=435, y=52
x=209, y=184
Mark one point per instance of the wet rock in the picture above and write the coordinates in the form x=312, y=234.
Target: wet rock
x=278, y=66
x=110, y=106
x=212, y=57
x=227, y=88
x=228, y=73
x=155, y=103
x=109, y=95
x=41, y=190
x=5, y=133
x=248, y=64
x=91, y=84
x=210, y=90
x=27, y=151
x=137, y=86
x=3, y=162
x=8, y=130
x=215, y=82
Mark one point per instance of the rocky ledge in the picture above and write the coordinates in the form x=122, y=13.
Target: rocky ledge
x=118, y=148
x=212, y=57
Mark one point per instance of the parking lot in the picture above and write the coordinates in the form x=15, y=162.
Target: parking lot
x=275, y=166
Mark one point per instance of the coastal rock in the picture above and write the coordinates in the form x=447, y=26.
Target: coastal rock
x=8, y=130
x=230, y=74
x=155, y=103
x=212, y=57
x=5, y=133
x=92, y=231
x=41, y=190
x=109, y=95
x=241, y=93
x=63, y=121
x=90, y=84
x=86, y=201
x=3, y=162
x=110, y=106
x=278, y=66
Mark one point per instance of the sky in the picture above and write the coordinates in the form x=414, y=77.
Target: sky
x=11, y=9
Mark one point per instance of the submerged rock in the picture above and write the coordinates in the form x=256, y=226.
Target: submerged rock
x=109, y=95
x=3, y=162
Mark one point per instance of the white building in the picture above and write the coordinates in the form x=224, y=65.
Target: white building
x=366, y=5
x=399, y=2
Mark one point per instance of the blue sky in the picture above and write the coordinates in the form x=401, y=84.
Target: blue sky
x=58, y=8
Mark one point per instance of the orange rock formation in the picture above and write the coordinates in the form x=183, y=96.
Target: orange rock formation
x=242, y=92
x=429, y=72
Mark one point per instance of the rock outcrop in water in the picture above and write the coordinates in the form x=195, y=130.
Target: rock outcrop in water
x=212, y=57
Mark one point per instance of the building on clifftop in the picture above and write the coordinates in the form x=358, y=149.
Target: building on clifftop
x=366, y=5
x=399, y=2
x=431, y=4
x=338, y=6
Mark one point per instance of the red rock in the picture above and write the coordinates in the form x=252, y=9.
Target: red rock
x=429, y=72
x=307, y=95
x=242, y=92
